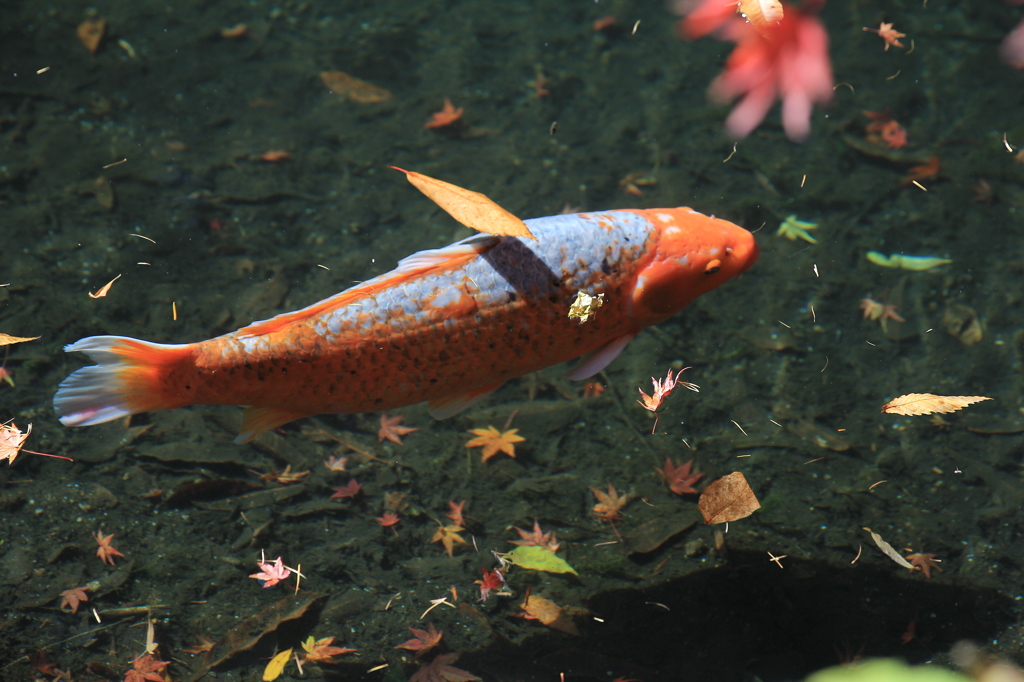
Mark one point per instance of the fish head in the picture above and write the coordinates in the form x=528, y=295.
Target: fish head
x=691, y=254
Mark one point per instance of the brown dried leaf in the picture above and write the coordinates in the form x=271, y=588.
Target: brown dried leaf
x=914, y=404
x=105, y=289
x=888, y=550
x=472, y=209
x=353, y=88
x=728, y=499
x=11, y=441
x=7, y=339
x=549, y=613
x=90, y=32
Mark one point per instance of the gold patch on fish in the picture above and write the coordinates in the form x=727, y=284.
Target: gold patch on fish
x=585, y=306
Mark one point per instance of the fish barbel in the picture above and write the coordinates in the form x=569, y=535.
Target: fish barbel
x=448, y=326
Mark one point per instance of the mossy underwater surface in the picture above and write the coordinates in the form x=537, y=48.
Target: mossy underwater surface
x=791, y=374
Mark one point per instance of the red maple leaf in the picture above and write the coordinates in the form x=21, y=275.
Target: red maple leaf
x=350, y=489
x=439, y=671
x=679, y=478
x=146, y=668
x=423, y=641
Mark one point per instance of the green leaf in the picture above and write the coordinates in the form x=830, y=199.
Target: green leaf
x=539, y=559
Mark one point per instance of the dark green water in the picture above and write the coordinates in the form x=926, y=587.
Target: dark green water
x=782, y=351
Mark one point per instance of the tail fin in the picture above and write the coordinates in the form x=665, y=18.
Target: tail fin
x=126, y=381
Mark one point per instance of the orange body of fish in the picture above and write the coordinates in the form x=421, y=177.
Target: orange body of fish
x=446, y=326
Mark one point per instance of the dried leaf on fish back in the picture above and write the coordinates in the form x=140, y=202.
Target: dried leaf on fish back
x=7, y=339
x=914, y=404
x=474, y=210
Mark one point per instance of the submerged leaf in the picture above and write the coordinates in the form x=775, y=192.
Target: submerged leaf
x=888, y=550
x=276, y=666
x=474, y=210
x=539, y=559
x=728, y=499
x=913, y=404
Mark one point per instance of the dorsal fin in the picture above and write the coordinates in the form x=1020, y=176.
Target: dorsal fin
x=415, y=265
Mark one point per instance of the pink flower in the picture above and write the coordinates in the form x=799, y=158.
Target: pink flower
x=704, y=16
x=775, y=58
x=791, y=63
x=271, y=574
x=1012, y=49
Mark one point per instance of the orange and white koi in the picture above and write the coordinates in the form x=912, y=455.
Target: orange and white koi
x=448, y=326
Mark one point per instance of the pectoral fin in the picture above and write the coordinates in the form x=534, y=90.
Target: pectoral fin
x=595, y=361
x=449, y=406
x=256, y=420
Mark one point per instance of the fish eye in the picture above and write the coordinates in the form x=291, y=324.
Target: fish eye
x=712, y=267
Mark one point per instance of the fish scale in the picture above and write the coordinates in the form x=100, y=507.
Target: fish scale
x=446, y=326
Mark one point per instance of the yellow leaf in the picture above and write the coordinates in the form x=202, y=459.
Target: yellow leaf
x=493, y=441
x=276, y=666
x=472, y=209
x=913, y=404
x=539, y=559
x=7, y=340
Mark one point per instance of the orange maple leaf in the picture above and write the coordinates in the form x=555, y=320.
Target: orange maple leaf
x=536, y=537
x=447, y=116
x=455, y=512
x=449, y=537
x=390, y=429
x=321, y=651
x=106, y=553
x=887, y=33
x=424, y=640
x=73, y=597
x=609, y=504
x=493, y=441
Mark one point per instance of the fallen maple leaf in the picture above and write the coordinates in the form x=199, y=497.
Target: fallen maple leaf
x=321, y=651
x=390, y=429
x=608, y=504
x=679, y=478
x=472, y=209
x=106, y=552
x=350, y=489
x=73, y=598
x=438, y=670
x=12, y=439
x=730, y=498
x=146, y=668
x=424, y=640
x=493, y=441
x=914, y=404
x=449, y=537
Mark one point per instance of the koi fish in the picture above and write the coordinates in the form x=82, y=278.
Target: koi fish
x=448, y=326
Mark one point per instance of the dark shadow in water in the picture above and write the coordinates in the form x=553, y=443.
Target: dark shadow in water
x=753, y=619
